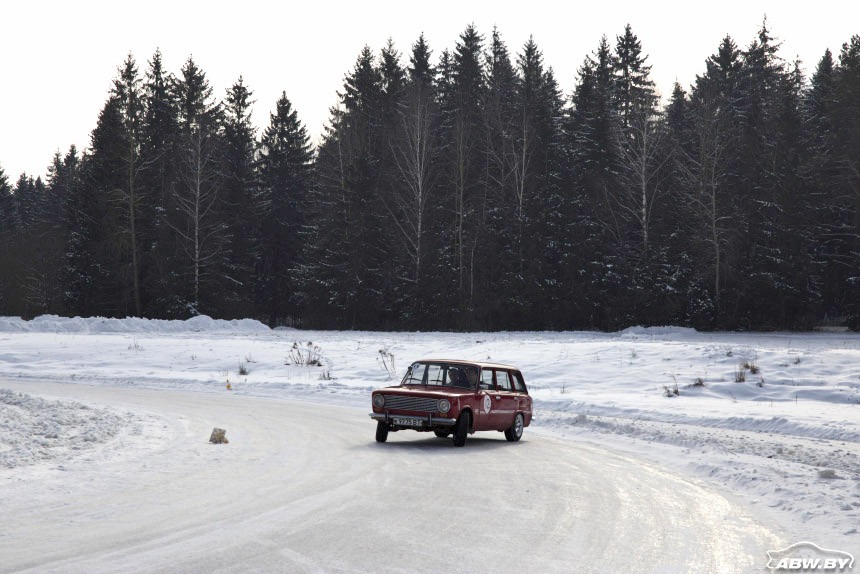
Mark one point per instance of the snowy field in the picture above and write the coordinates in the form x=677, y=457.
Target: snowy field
x=785, y=440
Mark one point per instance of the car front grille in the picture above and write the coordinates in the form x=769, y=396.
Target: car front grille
x=403, y=403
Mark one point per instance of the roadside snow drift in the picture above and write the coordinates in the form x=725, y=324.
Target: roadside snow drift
x=56, y=324
x=34, y=430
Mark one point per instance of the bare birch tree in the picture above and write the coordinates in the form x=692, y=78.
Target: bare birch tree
x=413, y=156
x=462, y=155
x=196, y=199
x=703, y=171
x=520, y=160
x=639, y=146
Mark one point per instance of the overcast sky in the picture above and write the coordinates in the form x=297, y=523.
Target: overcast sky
x=57, y=60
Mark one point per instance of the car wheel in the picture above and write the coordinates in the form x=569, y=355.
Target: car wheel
x=442, y=433
x=515, y=433
x=381, y=431
x=462, y=429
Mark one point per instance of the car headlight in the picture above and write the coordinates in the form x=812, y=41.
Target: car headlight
x=444, y=406
x=378, y=401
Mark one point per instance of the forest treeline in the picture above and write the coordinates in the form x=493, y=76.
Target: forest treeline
x=460, y=191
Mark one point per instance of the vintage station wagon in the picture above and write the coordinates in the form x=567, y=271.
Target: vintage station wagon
x=454, y=397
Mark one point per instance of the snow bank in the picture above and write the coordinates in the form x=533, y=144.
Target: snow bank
x=56, y=324
x=663, y=331
x=34, y=430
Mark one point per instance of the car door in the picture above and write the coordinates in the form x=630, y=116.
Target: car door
x=524, y=404
x=505, y=401
x=483, y=411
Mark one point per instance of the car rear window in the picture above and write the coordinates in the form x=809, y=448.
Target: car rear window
x=519, y=384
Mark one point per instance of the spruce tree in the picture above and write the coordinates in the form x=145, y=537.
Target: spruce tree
x=538, y=162
x=593, y=122
x=634, y=90
x=846, y=193
x=459, y=211
x=26, y=199
x=91, y=277
x=495, y=204
x=285, y=171
x=393, y=78
x=239, y=193
x=341, y=277
x=8, y=212
x=394, y=291
x=678, y=116
x=692, y=302
x=128, y=197
x=30, y=197
x=763, y=266
x=820, y=179
x=44, y=208
x=159, y=265
x=9, y=231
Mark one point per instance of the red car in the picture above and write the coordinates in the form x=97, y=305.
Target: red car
x=454, y=397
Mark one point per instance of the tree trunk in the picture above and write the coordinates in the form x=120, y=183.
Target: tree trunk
x=132, y=199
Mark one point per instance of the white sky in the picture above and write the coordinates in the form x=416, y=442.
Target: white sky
x=57, y=59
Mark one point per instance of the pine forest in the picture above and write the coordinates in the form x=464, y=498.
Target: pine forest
x=460, y=190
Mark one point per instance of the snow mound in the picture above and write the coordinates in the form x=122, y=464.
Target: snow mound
x=34, y=430
x=662, y=331
x=56, y=324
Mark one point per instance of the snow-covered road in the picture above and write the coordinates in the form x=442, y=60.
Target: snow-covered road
x=304, y=487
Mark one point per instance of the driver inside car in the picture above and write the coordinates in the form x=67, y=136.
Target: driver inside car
x=454, y=377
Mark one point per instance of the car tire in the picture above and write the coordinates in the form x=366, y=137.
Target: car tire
x=462, y=429
x=442, y=433
x=381, y=431
x=515, y=433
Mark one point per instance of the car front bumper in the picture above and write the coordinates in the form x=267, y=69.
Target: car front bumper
x=426, y=420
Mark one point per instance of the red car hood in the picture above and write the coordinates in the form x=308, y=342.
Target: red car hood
x=423, y=391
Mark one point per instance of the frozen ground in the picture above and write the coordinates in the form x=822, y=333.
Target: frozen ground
x=303, y=487
x=773, y=439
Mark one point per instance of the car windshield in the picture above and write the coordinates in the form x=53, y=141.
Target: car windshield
x=441, y=375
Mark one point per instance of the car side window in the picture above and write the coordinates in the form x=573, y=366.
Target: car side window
x=471, y=377
x=487, y=378
x=462, y=377
x=519, y=384
x=503, y=381
x=456, y=377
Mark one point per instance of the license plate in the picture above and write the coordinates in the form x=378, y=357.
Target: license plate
x=408, y=422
